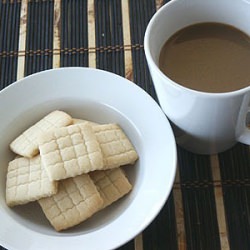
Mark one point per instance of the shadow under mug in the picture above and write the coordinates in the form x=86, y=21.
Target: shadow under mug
x=203, y=123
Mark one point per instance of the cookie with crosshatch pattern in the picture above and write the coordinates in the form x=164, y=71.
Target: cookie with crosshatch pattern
x=116, y=147
x=70, y=151
x=77, y=200
x=26, y=144
x=27, y=181
x=112, y=184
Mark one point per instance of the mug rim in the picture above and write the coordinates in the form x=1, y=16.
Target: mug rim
x=153, y=64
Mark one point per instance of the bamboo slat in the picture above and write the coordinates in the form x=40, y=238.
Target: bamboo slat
x=209, y=206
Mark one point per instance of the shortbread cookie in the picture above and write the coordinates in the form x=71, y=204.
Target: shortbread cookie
x=112, y=184
x=77, y=199
x=116, y=148
x=77, y=121
x=26, y=144
x=27, y=181
x=70, y=151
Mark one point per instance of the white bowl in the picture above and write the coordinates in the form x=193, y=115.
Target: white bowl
x=101, y=97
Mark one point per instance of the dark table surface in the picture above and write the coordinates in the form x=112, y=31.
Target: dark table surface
x=209, y=206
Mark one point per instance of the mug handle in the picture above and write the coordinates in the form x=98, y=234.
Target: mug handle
x=244, y=122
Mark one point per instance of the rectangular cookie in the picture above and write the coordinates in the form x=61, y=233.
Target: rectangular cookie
x=112, y=184
x=77, y=121
x=116, y=148
x=27, y=145
x=77, y=199
x=70, y=151
x=27, y=181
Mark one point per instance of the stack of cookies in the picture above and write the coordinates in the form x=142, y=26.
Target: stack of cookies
x=72, y=167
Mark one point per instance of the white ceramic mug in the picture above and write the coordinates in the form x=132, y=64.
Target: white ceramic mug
x=204, y=123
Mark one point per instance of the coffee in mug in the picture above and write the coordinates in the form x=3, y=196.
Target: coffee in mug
x=205, y=120
x=209, y=57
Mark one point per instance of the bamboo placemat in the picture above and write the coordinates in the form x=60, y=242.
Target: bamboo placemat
x=209, y=206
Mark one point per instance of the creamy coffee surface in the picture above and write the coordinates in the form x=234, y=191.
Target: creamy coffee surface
x=209, y=57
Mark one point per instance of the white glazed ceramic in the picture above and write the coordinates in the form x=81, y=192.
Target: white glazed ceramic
x=101, y=97
x=203, y=123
